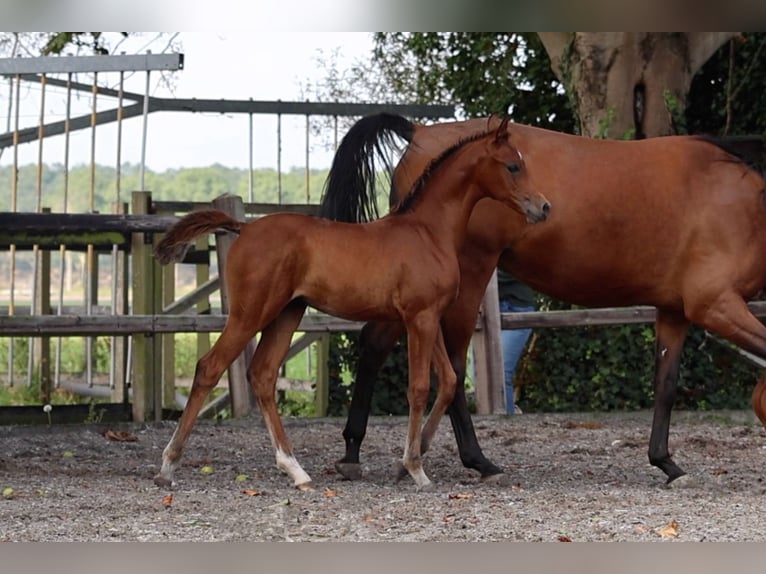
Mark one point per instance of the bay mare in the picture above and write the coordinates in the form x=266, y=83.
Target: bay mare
x=402, y=268
x=677, y=222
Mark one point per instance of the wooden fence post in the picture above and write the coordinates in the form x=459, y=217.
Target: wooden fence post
x=488, y=355
x=147, y=390
x=42, y=358
x=239, y=389
x=322, y=386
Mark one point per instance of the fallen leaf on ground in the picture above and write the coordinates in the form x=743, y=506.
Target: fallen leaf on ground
x=329, y=493
x=251, y=492
x=460, y=496
x=564, y=539
x=670, y=530
x=241, y=478
x=167, y=500
x=207, y=469
x=582, y=425
x=120, y=436
x=8, y=492
x=68, y=454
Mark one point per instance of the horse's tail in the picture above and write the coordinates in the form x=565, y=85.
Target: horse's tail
x=350, y=190
x=175, y=243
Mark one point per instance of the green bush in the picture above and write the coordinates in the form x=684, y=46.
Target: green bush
x=612, y=368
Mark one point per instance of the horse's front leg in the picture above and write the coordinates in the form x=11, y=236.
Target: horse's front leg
x=262, y=374
x=210, y=367
x=671, y=329
x=376, y=341
x=421, y=336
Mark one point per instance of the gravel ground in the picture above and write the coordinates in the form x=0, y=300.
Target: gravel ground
x=568, y=477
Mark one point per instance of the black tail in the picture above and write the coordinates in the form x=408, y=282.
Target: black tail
x=350, y=190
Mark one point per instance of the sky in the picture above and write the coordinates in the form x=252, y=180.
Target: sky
x=227, y=65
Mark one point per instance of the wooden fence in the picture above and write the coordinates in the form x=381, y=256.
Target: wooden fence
x=153, y=311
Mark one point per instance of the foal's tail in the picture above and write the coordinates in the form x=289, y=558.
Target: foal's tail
x=177, y=240
x=350, y=190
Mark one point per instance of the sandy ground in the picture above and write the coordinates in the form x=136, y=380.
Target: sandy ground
x=568, y=477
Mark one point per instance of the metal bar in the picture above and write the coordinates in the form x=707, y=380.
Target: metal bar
x=78, y=123
x=62, y=248
x=279, y=159
x=250, y=196
x=308, y=171
x=14, y=207
x=433, y=111
x=36, y=284
x=238, y=106
x=115, y=252
x=106, y=63
x=77, y=86
x=145, y=115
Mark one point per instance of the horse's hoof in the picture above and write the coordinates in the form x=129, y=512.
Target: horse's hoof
x=349, y=470
x=162, y=482
x=683, y=481
x=305, y=486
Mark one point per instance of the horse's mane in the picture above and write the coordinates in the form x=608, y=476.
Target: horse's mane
x=748, y=150
x=408, y=201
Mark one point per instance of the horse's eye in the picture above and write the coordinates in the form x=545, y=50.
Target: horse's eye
x=513, y=167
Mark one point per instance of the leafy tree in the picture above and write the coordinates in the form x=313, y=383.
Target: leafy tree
x=579, y=89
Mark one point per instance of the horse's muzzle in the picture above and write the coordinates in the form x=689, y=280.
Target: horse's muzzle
x=536, y=214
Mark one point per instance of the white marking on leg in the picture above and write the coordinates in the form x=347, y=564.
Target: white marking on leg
x=415, y=468
x=289, y=465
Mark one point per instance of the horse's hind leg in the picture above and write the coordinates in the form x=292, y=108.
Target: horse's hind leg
x=264, y=368
x=730, y=318
x=210, y=367
x=671, y=331
x=376, y=341
x=444, y=395
x=726, y=315
x=457, y=339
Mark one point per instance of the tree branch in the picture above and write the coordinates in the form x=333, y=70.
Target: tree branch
x=702, y=45
x=555, y=44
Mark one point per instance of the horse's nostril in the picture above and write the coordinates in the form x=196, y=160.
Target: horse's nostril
x=546, y=208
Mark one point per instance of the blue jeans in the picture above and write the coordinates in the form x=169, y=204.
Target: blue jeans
x=514, y=341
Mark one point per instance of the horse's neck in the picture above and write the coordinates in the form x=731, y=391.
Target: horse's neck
x=446, y=207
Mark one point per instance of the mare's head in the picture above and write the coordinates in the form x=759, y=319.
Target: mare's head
x=501, y=172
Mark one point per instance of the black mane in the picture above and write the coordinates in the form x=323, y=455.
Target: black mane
x=408, y=201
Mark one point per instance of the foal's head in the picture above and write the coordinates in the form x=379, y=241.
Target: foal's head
x=502, y=174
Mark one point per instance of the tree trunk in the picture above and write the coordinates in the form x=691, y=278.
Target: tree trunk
x=629, y=84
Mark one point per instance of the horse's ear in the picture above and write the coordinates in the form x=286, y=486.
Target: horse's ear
x=501, y=134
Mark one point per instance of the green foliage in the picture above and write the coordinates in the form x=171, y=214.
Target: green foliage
x=611, y=368
x=92, y=42
x=196, y=184
x=480, y=72
x=726, y=96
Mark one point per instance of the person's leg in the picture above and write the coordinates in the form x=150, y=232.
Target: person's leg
x=514, y=341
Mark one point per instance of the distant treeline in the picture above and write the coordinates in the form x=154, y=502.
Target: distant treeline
x=187, y=184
